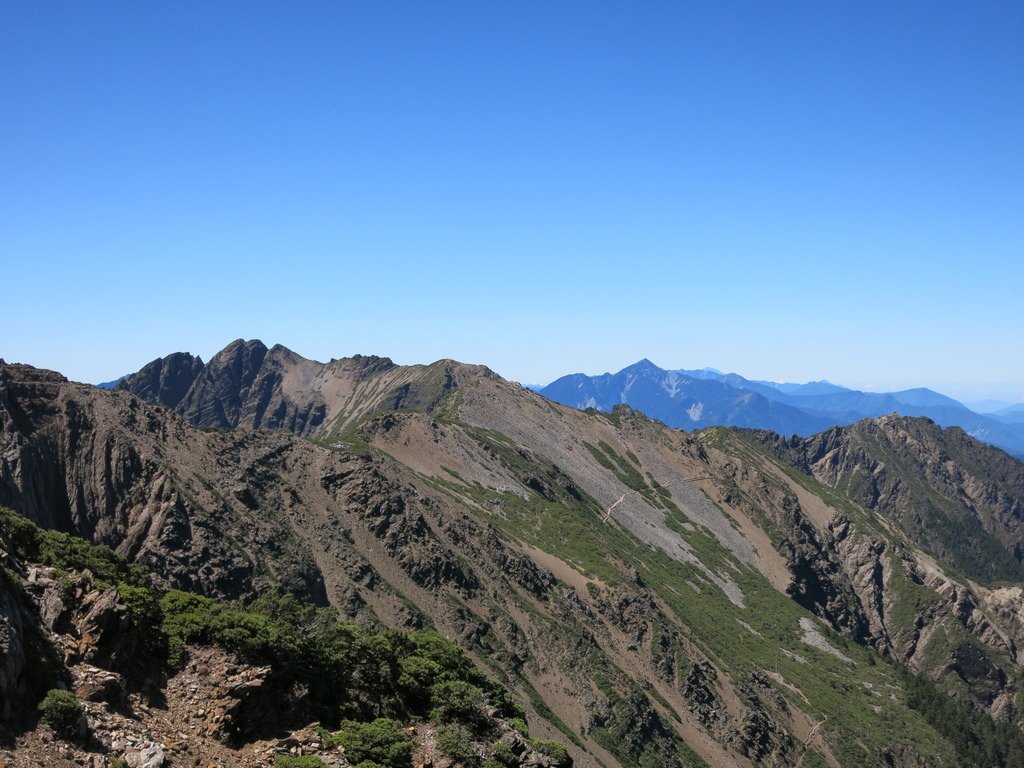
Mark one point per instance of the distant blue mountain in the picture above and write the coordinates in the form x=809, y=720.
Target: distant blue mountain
x=810, y=388
x=1013, y=414
x=682, y=400
x=694, y=399
x=987, y=406
x=111, y=384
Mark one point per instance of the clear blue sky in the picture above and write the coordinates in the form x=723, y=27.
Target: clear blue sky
x=789, y=190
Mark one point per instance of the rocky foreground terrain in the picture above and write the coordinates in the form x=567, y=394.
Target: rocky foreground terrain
x=155, y=678
x=650, y=597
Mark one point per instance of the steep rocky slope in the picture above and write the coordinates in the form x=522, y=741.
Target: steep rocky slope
x=960, y=499
x=146, y=678
x=655, y=597
x=909, y=603
x=248, y=385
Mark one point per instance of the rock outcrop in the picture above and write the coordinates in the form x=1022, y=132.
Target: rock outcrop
x=958, y=498
x=248, y=385
x=166, y=380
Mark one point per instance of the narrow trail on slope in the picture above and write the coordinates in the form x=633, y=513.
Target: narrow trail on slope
x=808, y=740
x=817, y=725
x=622, y=498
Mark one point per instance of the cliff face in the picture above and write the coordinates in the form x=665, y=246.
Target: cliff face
x=244, y=384
x=652, y=595
x=122, y=472
x=960, y=499
x=166, y=380
x=927, y=569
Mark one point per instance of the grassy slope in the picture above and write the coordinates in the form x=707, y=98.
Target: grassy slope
x=910, y=598
x=846, y=694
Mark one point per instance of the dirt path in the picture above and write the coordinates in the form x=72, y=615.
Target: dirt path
x=622, y=498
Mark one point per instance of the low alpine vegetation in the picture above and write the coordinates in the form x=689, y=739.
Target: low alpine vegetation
x=365, y=684
x=62, y=712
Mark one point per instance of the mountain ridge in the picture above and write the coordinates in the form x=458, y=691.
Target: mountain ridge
x=684, y=399
x=651, y=594
x=248, y=384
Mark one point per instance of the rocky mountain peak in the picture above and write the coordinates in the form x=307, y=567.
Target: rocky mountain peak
x=250, y=386
x=363, y=366
x=280, y=351
x=463, y=373
x=643, y=366
x=166, y=380
x=247, y=354
x=952, y=494
x=27, y=373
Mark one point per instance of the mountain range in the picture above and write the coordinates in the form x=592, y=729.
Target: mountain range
x=695, y=399
x=844, y=596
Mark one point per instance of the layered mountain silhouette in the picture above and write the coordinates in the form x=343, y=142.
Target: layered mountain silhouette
x=694, y=399
x=1013, y=414
x=249, y=385
x=651, y=596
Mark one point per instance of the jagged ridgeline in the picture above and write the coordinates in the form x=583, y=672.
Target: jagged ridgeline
x=651, y=597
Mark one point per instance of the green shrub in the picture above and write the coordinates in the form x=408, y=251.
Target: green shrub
x=66, y=552
x=448, y=656
x=553, y=749
x=416, y=677
x=21, y=533
x=381, y=741
x=146, y=617
x=456, y=701
x=60, y=550
x=62, y=712
x=456, y=742
x=503, y=755
x=177, y=653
